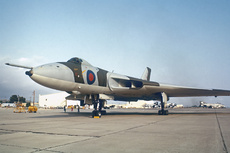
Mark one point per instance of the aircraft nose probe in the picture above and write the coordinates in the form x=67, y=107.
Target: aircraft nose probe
x=29, y=73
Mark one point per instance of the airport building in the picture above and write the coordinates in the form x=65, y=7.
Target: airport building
x=139, y=104
x=59, y=100
x=56, y=100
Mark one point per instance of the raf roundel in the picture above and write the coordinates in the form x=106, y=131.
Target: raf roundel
x=90, y=77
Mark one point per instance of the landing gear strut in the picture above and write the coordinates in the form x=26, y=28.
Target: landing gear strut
x=97, y=112
x=164, y=100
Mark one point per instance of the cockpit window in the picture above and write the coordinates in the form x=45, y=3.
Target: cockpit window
x=75, y=60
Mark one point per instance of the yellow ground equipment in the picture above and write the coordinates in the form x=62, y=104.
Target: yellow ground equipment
x=19, y=108
x=32, y=109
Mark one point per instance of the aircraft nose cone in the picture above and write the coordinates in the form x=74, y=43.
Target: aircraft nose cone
x=51, y=71
x=29, y=73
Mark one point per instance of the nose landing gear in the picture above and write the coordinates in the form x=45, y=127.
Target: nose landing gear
x=97, y=112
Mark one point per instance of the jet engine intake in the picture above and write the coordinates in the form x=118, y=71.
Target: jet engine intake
x=132, y=84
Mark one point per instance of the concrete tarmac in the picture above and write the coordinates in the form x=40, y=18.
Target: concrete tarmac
x=187, y=130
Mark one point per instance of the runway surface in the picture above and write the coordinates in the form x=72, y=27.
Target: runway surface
x=189, y=130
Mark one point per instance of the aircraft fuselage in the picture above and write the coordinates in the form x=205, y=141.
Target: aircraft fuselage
x=79, y=77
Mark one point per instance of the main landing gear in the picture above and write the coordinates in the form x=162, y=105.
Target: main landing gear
x=97, y=112
x=164, y=100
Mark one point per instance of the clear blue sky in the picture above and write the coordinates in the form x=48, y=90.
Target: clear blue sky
x=184, y=42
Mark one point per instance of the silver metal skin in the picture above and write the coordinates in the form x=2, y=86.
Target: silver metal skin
x=91, y=84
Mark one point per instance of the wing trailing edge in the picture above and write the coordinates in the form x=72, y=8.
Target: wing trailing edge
x=178, y=91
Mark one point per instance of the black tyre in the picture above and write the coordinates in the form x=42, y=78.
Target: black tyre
x=165, y=112
x=160, y=112
x=103, y=112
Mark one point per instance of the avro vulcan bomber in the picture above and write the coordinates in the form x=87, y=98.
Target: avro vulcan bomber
x=93, y=85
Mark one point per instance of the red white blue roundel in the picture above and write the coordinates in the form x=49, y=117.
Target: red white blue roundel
x=90, y=77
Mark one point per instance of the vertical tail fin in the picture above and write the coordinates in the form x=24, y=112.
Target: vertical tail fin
x=146, y=74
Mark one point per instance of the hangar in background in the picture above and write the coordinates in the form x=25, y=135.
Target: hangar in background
x=56, y=100
x=59, y=100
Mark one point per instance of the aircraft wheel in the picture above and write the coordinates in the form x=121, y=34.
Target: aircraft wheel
x=103, y=112
x=96, y=113
x=99, y=114
x=166, y=112
x=93, y=114
x=160, y=112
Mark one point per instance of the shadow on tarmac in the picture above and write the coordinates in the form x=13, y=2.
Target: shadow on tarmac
x=117, y=113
